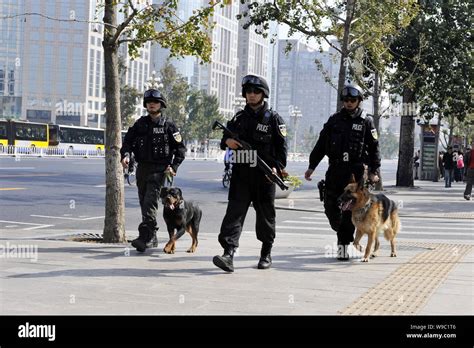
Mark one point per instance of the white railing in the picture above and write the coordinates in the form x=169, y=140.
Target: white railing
x=26, y=151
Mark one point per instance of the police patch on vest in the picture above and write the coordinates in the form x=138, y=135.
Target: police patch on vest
x=158, y=130
x=374, y=133
x=357, y=127
x=262, y=127
x=177, y=137
x=282, y=129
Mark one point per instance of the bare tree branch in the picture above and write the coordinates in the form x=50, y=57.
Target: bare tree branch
x=55, y=19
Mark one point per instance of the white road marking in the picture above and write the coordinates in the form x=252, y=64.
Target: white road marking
x=315, y=228
x=35, y=226
x=208, y=180
x=204, y=171
x=14, y=168
x=68, y=218
x=404, y=226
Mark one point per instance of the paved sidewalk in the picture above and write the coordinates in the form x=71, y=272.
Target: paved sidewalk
x=427, y=277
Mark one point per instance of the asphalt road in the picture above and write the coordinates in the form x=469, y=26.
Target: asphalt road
x=52, y=195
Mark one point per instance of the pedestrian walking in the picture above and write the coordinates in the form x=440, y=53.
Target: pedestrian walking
x=159, y=150
x=416, y=164
x=469, y=171
x=448, y=164
x=265, y=131
x=350, y=141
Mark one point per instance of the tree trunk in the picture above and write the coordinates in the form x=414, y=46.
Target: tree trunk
x=376, y=104
x=436, y=177
x=407, y=141
x=451, y=130
x=114, y=224
x=345, y=51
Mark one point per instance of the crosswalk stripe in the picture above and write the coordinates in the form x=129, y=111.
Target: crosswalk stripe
x=402, y=232
x=404, y=226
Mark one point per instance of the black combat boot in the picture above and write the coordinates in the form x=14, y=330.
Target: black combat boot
x=226, y=261
x=153, y=240
x=265, y=257
x=143, y=237
x=342, y=252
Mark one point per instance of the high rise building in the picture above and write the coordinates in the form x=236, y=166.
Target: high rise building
x=11, y=45
x=237, y=52
x=185, y=66
x=301, y=86
x=252, y=51
x=61, y=62
x=219, y=77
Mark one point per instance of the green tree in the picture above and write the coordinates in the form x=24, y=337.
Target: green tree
x=203, y=110
x=129, y=99
x=176, y=91
x=388, y=144
x=357, y=24
x=309, y=140
x=189, y=37
x=434, y=58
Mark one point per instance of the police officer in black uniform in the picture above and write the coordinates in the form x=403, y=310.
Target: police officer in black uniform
x=265, y=131
x=158, y=148
x=349, y=139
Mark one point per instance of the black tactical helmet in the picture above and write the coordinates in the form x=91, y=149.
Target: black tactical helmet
x=257, y=82
x=352, y=91
x=154, y=95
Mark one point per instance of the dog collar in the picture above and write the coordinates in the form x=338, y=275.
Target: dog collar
x=366, y=207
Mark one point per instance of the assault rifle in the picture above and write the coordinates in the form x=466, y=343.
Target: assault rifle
x=260, y=162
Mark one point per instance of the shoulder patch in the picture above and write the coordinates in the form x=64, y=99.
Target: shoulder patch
x=282, y=129
x=374, y=133
x=177, y=136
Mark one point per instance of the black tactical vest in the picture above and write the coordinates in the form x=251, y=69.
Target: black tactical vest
x=262, y=133
x=152, y=143
x=344, y=140
x=356, y=139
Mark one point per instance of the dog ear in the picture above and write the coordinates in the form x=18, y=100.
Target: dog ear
x=352, y=180
x=163, y=192
x=361, y=183
x=180, y=192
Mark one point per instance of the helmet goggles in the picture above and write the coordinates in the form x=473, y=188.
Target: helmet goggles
x=251, y=80
x=350, y=92
x=153, y=93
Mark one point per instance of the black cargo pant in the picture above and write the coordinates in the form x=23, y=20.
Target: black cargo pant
x=248, y=185
x=150, y=179
x=337, y=178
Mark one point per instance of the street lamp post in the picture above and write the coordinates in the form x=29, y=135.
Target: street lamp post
x=154, y=81
x=239, y=103
x=295, y=113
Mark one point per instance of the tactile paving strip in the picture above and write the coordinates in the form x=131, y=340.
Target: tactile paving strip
x=408, y=288
x=460, y=215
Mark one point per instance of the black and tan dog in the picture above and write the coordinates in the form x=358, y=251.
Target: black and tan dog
x=180, y=216
x=371, y=215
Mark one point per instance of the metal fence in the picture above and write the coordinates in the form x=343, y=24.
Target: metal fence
x=25, y=151
x=31, y=151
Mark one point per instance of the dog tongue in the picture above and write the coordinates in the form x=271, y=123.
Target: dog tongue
x=346, y=206
x=171, y=206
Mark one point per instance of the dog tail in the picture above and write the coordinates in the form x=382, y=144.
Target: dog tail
x=394, y=227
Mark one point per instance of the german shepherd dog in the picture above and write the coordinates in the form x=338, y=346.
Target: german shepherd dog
x=371, y=214
x=180, y=216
